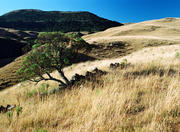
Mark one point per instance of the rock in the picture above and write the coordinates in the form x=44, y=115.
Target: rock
x=77, y=77
x=89, y=74
x=2, y=109
x=10, y=107
x=7, y=108
x=98, y=72
x=114, y=66
x=95, y=70
x=121, y=65
x=72, y=82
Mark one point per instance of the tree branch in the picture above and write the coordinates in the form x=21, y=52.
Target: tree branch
x=54, y=79
x=63, y=76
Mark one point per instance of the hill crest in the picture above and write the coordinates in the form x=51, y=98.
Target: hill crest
x=38, y=20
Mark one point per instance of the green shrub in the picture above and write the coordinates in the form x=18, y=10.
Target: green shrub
x=42, y=89
x=31, y=93
x=18, y=109
x=9, y=114
x=124, y=63
x=40, y=130
x=177, y=55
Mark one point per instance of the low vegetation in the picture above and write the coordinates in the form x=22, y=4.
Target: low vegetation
x=138, y=98
x=178, y=54
x=138, y=92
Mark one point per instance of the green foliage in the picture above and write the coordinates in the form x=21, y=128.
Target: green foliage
x=53, y=51
x=18, y=109
x=177, y=55
x=40, y=130
x=9, y=114
x=36, y=46
x=31, y=93
x=124, y=63
x=97, y=92
x=42, y=89
x=44, y=86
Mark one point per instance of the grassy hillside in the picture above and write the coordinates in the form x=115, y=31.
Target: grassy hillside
x=138, y=35
x=144, y=97
x=117, y=42
x=8, y=73
x=14, y=43
x=37, y=20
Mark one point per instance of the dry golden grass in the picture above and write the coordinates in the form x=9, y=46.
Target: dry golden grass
x=143, y=98
x=162, y=29
x=138, y=35
x=8, y=76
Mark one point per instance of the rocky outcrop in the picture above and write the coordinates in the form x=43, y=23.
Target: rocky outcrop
x=121, y=65
x=7, y=108
x=80, y=79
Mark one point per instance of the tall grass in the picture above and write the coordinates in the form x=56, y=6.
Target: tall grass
x=140, y=98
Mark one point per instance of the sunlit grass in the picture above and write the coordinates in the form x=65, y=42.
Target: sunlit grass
x=144, y=97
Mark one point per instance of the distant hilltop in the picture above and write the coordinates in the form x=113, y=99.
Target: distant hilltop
x=38, y=20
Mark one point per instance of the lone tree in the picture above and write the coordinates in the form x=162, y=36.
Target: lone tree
x=53, y=51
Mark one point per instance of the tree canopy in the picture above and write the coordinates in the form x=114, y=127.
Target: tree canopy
x=52, y=51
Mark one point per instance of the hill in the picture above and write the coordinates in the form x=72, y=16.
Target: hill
x=115, y=42
x=143, y=97
x=133, y=37
x=14, y=43
x=38, y=20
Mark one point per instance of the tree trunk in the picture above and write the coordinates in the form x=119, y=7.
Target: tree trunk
x=63, y=76
x=54, y=79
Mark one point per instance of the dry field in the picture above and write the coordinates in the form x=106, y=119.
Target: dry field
x=142, y=98
x=165, y=30
x=133, y=37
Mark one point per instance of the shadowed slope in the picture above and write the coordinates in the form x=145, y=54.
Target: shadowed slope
x=37, y=20
x=14, y=43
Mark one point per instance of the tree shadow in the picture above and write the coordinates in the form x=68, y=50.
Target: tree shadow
x=80, y=57
x=5, y=61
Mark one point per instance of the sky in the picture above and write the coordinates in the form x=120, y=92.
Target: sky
x=123, y=11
